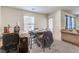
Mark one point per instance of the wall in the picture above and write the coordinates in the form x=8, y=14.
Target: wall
x=59, y=22
x=56, y=24
x=40, y=19
x=0, y=16
x=12, y=15
x=77, y=22
x=0, y=19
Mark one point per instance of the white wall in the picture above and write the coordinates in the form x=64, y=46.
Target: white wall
x=77, y=22
x=0, y=19
x=57, y=24
x=0, y=16
x=11, y=16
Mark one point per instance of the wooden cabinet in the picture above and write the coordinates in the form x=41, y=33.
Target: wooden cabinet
x=10, y=40
x=23, y=45
x=70, y=37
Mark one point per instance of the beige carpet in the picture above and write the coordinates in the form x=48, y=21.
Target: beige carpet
x=57, y=47
x=0, y=43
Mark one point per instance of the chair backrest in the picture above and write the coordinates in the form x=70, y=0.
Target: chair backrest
x=47, y=39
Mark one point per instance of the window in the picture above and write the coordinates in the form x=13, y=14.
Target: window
x=28, y=23
x=70, y=22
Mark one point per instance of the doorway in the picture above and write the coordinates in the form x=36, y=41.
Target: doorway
x=50, y=24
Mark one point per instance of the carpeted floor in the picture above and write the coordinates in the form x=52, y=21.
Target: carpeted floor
x=57, y=47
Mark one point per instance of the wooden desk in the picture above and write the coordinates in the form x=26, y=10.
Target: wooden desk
x=40, y=32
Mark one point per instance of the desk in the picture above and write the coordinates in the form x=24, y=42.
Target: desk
x=40, y=32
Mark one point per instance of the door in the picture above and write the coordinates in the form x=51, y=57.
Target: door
x=50, y=24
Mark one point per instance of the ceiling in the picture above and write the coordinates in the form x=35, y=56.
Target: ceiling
x=49, y=9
